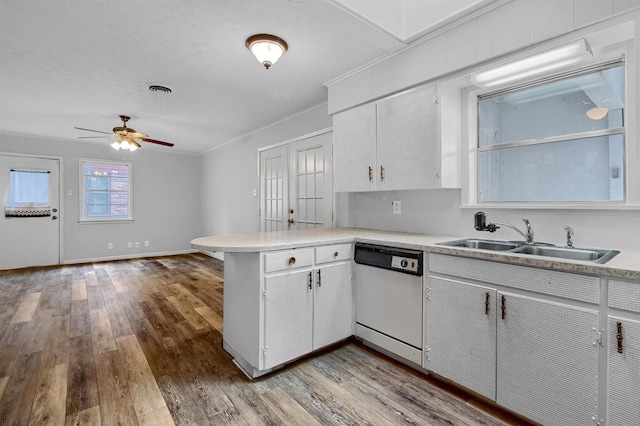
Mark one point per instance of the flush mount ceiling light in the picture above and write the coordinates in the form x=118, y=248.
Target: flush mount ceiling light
x=597, y=113
x=266, y=48
x=537, y=64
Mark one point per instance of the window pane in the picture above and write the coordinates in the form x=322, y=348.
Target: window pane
x=106, y=191
x=577, y=104
x=589, y=169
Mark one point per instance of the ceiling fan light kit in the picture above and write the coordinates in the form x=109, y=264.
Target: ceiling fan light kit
x=267, y=48
x=125, y=137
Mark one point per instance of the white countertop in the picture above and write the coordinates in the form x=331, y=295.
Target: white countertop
x=624, y=265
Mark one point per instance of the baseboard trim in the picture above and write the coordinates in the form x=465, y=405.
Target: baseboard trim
x=128, y=256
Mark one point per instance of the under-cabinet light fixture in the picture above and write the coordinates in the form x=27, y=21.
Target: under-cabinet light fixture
x=537, y=64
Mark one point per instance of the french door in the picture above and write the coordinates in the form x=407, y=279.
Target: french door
x=30, y=235
x=296, y=185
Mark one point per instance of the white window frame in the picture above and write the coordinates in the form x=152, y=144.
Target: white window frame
x=471, y=150
x=84, y=219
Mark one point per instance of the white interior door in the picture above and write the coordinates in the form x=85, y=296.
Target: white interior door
x=310, y=183
x=30, y=241
x=296, y=185
x=274, y=198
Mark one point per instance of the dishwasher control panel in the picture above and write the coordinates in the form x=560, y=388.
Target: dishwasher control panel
x=404, y=263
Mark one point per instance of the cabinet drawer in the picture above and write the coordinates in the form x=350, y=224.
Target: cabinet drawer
x=332, y=253
x=572, y=286
x=289, y=259
x=624, y=295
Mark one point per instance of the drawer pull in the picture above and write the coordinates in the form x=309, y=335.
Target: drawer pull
x=370, y=174
x=319, y=279
x=619, y=336
x=486, y=304
x=310, y=280
x=503, y=307
x=335, y=254
x=292, y=260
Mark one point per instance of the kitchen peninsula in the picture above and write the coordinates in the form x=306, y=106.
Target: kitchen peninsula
x=290, y=293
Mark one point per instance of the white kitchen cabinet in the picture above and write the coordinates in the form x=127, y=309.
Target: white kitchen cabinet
x=535, y=352
x=547, y=360
x=391, y=144
x=284, y=304
x=623, y=350
x=461, y=334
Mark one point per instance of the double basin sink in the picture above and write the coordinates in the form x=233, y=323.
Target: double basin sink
x=536, y=249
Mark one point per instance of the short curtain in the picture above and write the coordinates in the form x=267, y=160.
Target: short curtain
x=29, y=194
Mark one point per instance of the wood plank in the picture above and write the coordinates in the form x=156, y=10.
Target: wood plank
x=211, y=316
x=78, y=290
x=26, y=308
x=194, y=318
x=116, y=406
x=80, y=318
x=82, y=393
x=118, y=318
x=17, y=399
x=287, y=408
x=103, y=340
x=49, y=401
x=88, y=417
x=3, y=385
x=145, y=393
x=159, y=417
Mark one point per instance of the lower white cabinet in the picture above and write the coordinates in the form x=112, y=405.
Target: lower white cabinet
x=284, y=304
x=305, y=311
x=547, y=360
x=461, y=334
x=623, y=387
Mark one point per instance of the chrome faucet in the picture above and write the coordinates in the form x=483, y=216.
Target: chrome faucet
x=569, y=236
x=528, y=237
x=481, y=225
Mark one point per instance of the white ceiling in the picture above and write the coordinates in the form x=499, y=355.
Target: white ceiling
x=81, y=63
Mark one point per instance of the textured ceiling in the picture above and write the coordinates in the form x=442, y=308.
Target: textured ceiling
x=66, y=63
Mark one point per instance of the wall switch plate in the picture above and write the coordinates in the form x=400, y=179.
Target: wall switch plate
x=255, y=192
x=130, y=245
x=69, y=193
x=146, y=243
x=137, y=244
x=396, y=207
x=109, y=246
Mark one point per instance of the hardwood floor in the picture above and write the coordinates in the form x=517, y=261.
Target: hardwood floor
x=139, y=342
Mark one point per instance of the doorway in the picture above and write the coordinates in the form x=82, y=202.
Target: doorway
x=296, y=185
x=29, y=223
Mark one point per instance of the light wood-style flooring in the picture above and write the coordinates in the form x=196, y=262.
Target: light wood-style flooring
x=140, y=342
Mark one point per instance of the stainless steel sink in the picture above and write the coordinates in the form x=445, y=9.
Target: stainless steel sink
x=592, y=255
x=494, y=245
x=537, y=249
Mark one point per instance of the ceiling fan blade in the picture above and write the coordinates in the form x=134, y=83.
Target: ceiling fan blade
x=93, y=137
x=91, y=130
x=137, y=135
x=156, y=141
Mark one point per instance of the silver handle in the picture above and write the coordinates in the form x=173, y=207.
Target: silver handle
x=319, y=279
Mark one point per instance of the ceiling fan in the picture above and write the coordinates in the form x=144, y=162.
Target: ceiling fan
x=125, y=137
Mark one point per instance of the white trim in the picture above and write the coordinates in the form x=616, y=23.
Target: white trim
x=268, y=126
x=128, y=256
x=297, y=139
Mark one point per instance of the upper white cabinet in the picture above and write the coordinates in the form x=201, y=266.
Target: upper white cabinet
x=392, y=144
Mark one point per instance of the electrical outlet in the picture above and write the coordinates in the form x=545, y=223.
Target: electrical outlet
x=137, y=244
x=130, y=245
x=396, y=207
x=109, y=246
x=146, y=243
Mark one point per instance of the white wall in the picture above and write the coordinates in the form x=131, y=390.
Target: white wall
x=166, y=199
x=230, y=173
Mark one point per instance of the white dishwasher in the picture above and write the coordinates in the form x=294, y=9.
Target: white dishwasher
x=388, y=282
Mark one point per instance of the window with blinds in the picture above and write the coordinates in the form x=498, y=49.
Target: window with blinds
x=105, y=191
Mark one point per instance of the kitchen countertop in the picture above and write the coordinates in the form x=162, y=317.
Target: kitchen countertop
x=624, y=265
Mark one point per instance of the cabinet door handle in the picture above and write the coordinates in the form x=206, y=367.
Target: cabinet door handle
x=370, y=174
x=503, y=307
x=310, y=280
x=486, y=304
x=619, y=336
x=381, y=172
x=319, y=279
